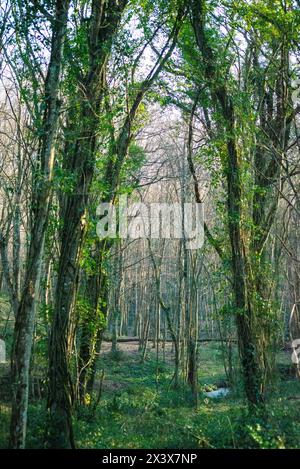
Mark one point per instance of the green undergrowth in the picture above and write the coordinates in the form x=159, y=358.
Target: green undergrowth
x=139, y=408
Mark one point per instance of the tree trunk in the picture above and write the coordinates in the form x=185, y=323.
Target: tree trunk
x=104, y=22
x=24, y=325
x=244, y=313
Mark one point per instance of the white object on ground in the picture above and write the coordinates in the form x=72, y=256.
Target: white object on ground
x=221, y=392
x=2, y=351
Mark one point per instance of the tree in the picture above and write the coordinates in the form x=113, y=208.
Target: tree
x=80, y=160
x=24, y=325
x=253, y=308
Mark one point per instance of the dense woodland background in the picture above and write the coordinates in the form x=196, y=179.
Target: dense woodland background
x=119, y=342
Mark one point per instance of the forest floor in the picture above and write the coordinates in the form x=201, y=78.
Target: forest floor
x=140, y=409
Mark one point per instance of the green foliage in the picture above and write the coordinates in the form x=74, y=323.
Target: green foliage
x=85, y=314
x=133, y=406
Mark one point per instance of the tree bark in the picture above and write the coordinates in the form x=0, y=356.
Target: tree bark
x=24, y=324
x=104, y=22
x=244, y=313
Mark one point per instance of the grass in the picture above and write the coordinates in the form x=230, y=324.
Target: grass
x=139, y=409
